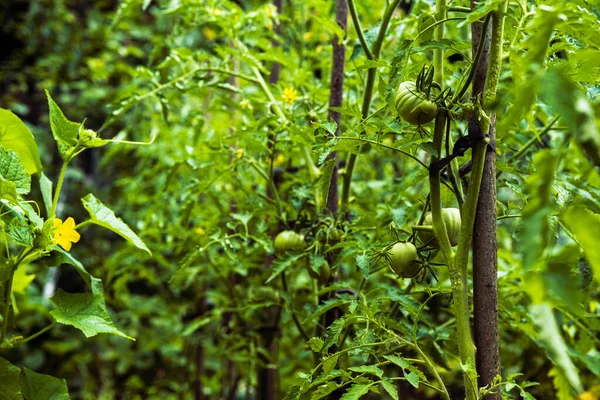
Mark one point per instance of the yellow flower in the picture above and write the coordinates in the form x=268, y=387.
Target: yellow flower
x=307, y=36
x=215, y=12
x=246, y=104
x=270, y=10
x=239, y=153
x=65, y=233
x=289, y=95
x=200, y=232
x=209, y=33
x=280, y=160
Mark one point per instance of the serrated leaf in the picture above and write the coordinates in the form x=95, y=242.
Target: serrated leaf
x=324, y=390
x=390, y=388
x=105, y=217
x=293, y=393
x=585, y=226
x=398, y=360
x=15, y=136
x=12, y=170
x=316, y=344
x=554, y=344
x=369, y=369
x=323, y=308
x=9, y=381
x=413, y=378
x=64, y=131
x=84, y=311
x=575, y=110
x=356, y=391
x=333, y=333
x=481, y=10
x=363, y=262
x=43, y=387
x=281, y=265
x=329, y=364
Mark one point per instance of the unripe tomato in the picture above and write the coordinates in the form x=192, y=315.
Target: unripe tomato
x=404, y=259
x=289, y=240
x=451, y=217
x=414, y=106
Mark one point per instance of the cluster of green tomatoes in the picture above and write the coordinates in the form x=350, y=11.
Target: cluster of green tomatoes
x=403, y=257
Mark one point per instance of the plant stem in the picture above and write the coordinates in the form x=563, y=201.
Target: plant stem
x=40, y=332
x=368, y=95
x=359, y=31
x=530, y=143
x=61, y=179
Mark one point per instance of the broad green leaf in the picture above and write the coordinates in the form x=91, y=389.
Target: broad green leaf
x=46, y=189
x=553, y=342
x=21, y=280
x=537, y=211
x=12, y=170
x=43, y=387
x=9, y=381
x=84, y=311
x=64, y=131
x=574, y=108
x=390, y=388
x=369, y=369
x=105, y=217
x=356, y=391
x=15, y=136
x=585, y=226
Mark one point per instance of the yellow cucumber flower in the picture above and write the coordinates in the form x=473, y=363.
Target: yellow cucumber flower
x=65, y=233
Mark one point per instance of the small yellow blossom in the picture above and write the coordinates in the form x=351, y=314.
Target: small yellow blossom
x=209, y=33
x=215, y=12
x=319, y=49
x=289, y=95
x=270, y=25
x=239, y=153
x=246, y=104
x=280, y=160
x=307, y=36
x=270, y=10
x=199, y=231
x=65, y=233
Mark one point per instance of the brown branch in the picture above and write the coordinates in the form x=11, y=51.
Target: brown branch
x=485, y=263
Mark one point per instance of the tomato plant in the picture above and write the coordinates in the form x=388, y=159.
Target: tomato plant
x=281, y=176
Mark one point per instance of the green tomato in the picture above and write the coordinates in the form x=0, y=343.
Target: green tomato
x=451, y=217
x=289, y=240
x=413, y=106
x=404, y=260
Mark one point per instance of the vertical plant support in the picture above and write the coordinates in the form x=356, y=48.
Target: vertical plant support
x=336, y=96
x=485, y=268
